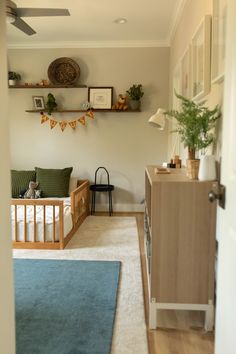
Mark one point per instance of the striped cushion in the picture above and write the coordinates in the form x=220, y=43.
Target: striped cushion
x=53, y=182
x=20, y=180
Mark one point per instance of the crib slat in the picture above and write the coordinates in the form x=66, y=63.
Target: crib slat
x=44, y=223
x=34, y=223
x=25, y=223
x=16, y=229
x=61, y=221
x=54, y=224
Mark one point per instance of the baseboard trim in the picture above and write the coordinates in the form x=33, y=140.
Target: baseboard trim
x=121, y=207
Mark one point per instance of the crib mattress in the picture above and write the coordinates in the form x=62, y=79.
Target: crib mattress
x=68, y=224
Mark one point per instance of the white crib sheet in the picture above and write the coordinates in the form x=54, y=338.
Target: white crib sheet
x=39, y=221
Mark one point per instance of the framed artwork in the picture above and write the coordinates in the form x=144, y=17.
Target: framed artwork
x=38, y=102
x=201, y=60
x=173, y=138
x=176, y=85
x=186, y=73
x=218, y=39
x=100, y=97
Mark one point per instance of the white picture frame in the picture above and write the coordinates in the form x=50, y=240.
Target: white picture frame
x=176, y=86
x=218, y=40
x=100, y=97
x=186, y=73
x=173, y=139
x=201, y=60
x=38, y=102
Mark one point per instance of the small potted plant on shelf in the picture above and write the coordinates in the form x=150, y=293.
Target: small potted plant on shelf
x=51, y=104
x=195, y=125
x=135, y=93
x=13, y=77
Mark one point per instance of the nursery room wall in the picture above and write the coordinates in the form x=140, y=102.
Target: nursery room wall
x=193, y=13
x=122, y=142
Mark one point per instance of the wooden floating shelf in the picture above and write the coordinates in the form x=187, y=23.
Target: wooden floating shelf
x=82, y=110
x=44, y=87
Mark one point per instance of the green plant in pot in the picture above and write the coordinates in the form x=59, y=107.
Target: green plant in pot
x=51, y=104
x=195, y=126
x=13, y=77
x=135, y=93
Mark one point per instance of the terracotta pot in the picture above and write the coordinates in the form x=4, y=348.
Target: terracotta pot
x=193, y=168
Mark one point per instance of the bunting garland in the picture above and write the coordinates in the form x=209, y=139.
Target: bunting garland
x=53, y=123
x=44, y=118
x=90, y=114
x=73, y=124
x=82, y=120
x=63, y=124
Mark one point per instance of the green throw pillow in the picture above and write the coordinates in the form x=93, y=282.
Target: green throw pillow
x=53, y=182
x=20, y=180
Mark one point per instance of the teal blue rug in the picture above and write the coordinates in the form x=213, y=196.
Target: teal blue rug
x=65, y=307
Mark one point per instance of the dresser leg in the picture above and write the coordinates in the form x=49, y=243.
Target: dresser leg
x=152, y=315
x=209, y=317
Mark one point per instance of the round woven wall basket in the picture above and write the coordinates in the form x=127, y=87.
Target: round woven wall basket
x=63, y=71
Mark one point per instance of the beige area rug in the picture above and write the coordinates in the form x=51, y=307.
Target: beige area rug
x=111, y=238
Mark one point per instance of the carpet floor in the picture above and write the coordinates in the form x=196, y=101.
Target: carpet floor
x=111, y=238
x=65, y=306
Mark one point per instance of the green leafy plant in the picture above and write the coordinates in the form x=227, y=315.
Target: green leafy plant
x=195, y=124
x=12, y=75
x=135, y=92
x=51, y=103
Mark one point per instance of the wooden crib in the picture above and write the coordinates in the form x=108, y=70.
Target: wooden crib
x=79, y=209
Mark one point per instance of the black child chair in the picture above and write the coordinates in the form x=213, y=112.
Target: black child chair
x=101, y=188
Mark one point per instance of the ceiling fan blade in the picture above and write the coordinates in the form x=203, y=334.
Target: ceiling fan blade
x=33, y=12
x=22, y=25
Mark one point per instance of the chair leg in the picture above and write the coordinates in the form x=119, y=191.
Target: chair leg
x=93, y=203
x=91, y=211
x=110, y=203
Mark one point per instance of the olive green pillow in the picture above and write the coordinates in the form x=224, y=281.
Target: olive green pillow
x=20, y=180
x=53, y=182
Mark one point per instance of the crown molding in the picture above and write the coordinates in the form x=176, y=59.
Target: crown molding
x=90, y=44
x=177, y=14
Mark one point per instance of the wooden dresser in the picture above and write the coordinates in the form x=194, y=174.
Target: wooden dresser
x=180, y=244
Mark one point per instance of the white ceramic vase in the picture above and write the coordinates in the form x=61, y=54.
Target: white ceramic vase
x=207, y=168
x=12, y=82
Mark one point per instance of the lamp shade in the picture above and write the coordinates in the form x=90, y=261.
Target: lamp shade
x=158, y=119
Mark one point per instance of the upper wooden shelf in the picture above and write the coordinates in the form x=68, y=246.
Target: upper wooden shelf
x=81, y=110
x=44, y=87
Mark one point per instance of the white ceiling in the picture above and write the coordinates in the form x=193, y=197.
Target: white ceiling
x=149, y=23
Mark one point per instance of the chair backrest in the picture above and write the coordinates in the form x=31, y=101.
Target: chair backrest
x=108, y=177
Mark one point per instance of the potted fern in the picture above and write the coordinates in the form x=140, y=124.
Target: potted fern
x=135, y=93
x=195, y=126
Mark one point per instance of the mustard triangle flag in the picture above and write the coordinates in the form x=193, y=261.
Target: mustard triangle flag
x=90, y=113
x=44, y=118
x=63, y=125
x=73, y=124
x=82, y=120
x=53, y=123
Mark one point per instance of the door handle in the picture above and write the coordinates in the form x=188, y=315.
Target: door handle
x=217, y=193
